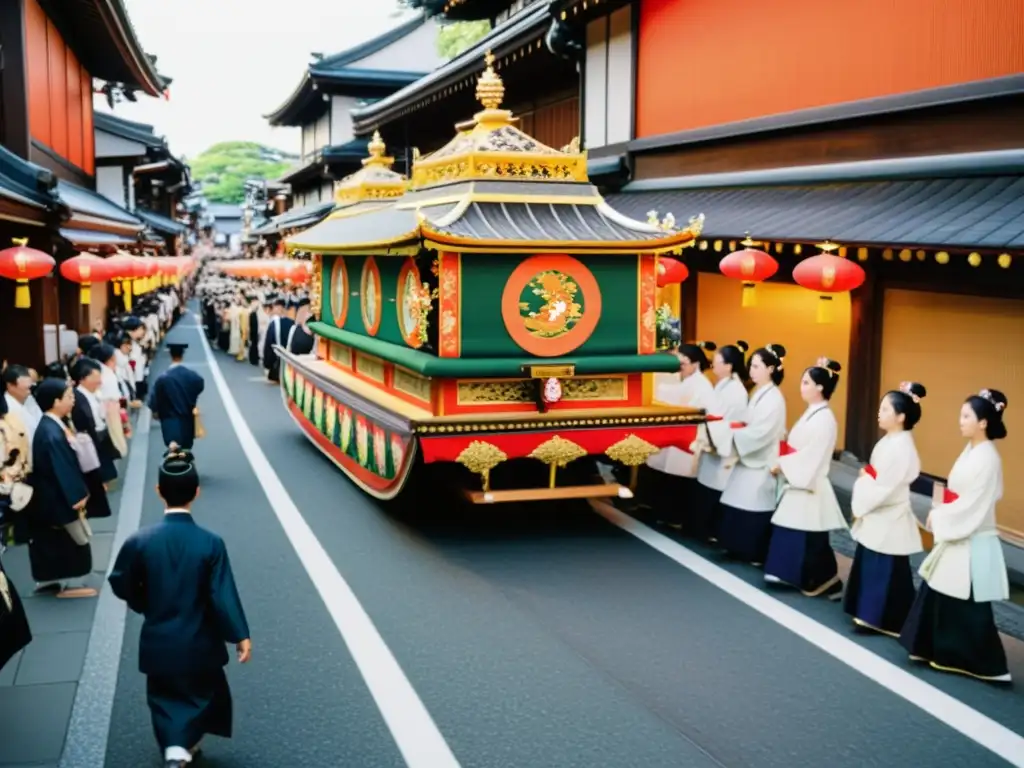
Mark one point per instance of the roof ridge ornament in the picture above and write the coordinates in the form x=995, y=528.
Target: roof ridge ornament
x=377, y=149
x=490, y=92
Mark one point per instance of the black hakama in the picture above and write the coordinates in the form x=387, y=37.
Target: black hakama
x=14, y=630
x=705, y=513
x=745, y=535
x=179, y=430
x=879, y=591
x=184, y=708
x=98, y=504
x=955, y=635
x=54, y=555
x=254, y=338
x=803, y=559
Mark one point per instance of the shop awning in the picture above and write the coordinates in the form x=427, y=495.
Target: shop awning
x=296, y=218
x=95, y=219
x=160, y=223
x=963, y=211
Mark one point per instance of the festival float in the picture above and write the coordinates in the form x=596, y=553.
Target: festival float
x=492, y=307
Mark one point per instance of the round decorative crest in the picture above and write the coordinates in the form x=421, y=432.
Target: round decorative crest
x=551, y=305
x=409, y=304
x=339, y=292
x=371, y=298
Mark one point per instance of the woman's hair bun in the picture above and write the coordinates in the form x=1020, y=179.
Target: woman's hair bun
x=707, y=346
x=997, y=398
x=742, y=346
x=918, y=390
x=777, y=349
x=829, y=364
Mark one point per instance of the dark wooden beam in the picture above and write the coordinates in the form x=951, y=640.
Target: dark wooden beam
x=688, y=307
x=14, y=79
x=864, y=369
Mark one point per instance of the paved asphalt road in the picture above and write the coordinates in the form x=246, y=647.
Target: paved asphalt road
x=536, y=638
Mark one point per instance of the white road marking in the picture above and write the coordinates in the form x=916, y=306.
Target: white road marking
x=411, y=725
x=943, y=707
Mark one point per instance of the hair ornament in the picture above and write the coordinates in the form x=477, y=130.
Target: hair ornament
x=823, y=362
x=906, y=387
x=780, y=358
x=987, y=395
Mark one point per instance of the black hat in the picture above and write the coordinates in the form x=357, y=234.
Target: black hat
x=132, y=323
x=177, y=350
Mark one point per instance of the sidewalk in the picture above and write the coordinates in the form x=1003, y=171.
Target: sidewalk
x=38, y=686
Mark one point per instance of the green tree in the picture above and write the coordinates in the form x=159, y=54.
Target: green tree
x=224, y=168
x=453, y=39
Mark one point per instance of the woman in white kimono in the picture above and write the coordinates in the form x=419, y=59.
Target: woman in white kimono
x=751, y=493
x=951, y=625
x=880, y=589
x=713, y=446
x=673, y=471
x=800, y=554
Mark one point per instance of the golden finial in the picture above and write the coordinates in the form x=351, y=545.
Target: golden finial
x=747, y=242
x=377, y=148
x=827, y=247
x=489, y=89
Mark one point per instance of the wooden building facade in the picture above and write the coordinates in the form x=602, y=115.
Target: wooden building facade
x=53, y=51
x=911, y=159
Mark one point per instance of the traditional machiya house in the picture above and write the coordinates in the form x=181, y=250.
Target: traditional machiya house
x=53, y=52
x=227, y=225
x=320, y=106
x=908, y=162
x=543, y=88
x=136, y=170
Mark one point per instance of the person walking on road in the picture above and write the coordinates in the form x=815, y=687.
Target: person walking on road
x=178, y=576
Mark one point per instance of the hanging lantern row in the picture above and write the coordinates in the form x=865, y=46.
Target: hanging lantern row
x=671, y=272
x=21, y=264
x=283, y=270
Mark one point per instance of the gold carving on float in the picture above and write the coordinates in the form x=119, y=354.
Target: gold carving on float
x=504, y=391
x=316, y=285
x=480, y=458
x=412, y=384
x=557, y=452
x=341, y=354
x=490, y=147
x=632, y=451
x=370, y=367
x=552, y=371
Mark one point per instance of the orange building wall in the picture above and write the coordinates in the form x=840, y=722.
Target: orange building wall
x=707, y=62
x=60, y=92
x=785, y=314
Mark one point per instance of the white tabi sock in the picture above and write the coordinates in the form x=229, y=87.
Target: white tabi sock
x=178, y=753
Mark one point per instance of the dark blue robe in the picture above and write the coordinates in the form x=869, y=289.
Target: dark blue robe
x=173, y=401
x=59, y=485
x=84, y=421
x=178, y=576
x=277, y=334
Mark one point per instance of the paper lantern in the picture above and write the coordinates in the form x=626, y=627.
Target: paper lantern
x=85, y=269
x=22, y=264
x=751, y=266
x=828, y=274
x=123, y=268
x=671, y=272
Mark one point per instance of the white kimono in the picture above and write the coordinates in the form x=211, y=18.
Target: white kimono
x=967, y=553
x=883, y=518
x=235, y=321
x=752, y=487
x=714, y=441
x=695, y=391
x=809, y=502
x=137, y=354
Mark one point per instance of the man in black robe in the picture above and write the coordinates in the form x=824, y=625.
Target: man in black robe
x=254, y=333
x=300, y=338
x=178, y=576
x=174, y=400
x=277, y=335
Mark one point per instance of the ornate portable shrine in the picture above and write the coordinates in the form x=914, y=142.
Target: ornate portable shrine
x=492, y=308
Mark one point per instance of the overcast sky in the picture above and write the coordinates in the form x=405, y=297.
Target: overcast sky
x=233, y=61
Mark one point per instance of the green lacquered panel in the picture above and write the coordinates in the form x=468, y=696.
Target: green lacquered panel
x=483, y=280
x=480, y=367
x=389, y=267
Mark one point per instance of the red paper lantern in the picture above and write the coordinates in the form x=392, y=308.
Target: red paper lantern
x=123, y=268
x=22, y=264
x=751, y=266
x=85, y=269
x=671, y=272
x=828, y=274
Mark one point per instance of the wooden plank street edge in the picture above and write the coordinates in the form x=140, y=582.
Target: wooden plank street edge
x=605, y=491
